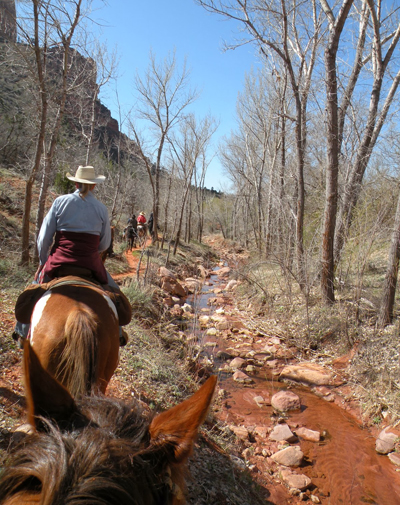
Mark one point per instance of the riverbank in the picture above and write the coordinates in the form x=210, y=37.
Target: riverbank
x=339, y=462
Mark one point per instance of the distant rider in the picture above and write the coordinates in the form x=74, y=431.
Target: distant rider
x=141, y=220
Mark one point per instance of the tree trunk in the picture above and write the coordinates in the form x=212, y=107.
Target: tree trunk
x=389, y=289
x=333, y=139
x=375, y=121
x=40, y=138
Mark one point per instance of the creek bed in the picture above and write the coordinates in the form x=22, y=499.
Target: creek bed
x=344, y=467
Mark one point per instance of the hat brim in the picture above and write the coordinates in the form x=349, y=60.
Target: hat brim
x=96, y=180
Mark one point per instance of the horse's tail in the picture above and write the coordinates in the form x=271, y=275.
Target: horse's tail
x=78, y=364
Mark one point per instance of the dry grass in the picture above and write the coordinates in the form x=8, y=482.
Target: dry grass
x=324, y=333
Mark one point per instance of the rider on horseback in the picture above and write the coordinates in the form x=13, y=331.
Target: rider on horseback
x=141, y=220
x=130, y=232
x=80, y=227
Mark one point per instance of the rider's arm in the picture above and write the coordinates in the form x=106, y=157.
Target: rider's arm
x=46, y=234
x=105, y=234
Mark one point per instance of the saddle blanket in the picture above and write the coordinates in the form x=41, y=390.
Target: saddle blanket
x=28, y=298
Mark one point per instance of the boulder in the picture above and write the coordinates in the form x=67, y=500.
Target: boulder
x=295, y=480
x=282, y=432
x=204, y=320
x=385, y=442
x=260, y=401
x=251, y=369
x=164, y=272
x=237, y=363
x=242, y=378
x=223, y=272
x=237, y=324
x=394, y=458
x=290, y=456
x=232, y=284
x=224, y=355
x=274, y=341
x=193, y=285
x=173, y=287
x=261, y=431
x=240, y=432
x=203, y=272
x=307, y=373
x=310, y=435
x=285, y=400
x=224, y=325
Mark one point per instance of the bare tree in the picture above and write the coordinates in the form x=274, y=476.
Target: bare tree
x=53, y=23
x=385, y=82
x=290, y=33
x=389, y=288
x=336, y=26
x=102, y=71
x=163, y=95
x=187, y=148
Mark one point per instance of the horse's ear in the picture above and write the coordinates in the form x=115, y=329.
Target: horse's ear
x=45, y=396
x=177, y=427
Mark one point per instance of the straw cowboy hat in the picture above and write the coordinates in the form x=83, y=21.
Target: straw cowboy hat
x=142, y=214
x=86, y=175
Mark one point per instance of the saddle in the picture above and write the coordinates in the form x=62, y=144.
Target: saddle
x=28, y=298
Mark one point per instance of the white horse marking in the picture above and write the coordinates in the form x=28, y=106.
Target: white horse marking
x=37, y=313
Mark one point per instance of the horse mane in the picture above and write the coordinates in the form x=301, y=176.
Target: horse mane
x=94, y=450
x=103, y=456
x=77, y=370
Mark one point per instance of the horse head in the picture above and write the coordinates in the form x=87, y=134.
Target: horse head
x=98, y=450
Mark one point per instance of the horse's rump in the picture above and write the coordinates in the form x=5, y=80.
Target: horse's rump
x=74, y=331
x=31, y=295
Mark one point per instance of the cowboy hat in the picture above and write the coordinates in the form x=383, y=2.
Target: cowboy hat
x=86, y=175
x=142, y=214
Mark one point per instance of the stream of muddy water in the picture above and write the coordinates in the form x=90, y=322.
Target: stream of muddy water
x=343, y=466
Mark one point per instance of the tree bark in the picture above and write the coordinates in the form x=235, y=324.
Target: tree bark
x=333, y=139
x=389, y=289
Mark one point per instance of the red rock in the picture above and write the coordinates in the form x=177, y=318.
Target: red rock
x=307, y=373
x=291, y=456
x=285, y=400
x=282, y=432
x=294, y=480
x=306, y=434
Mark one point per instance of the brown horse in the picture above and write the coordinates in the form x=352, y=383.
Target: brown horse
x=75, y=334
x=142, y=234
x=99, y=451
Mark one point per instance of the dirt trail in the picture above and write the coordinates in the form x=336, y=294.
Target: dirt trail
x=133, y=258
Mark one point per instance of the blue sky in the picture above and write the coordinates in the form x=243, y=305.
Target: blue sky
x=134, y=27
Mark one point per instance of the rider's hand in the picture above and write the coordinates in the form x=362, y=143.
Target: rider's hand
x=40, y=268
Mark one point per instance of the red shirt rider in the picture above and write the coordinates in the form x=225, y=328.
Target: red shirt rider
x=141, y=218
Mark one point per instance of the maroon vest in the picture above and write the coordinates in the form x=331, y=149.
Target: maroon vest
x=78, y=249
